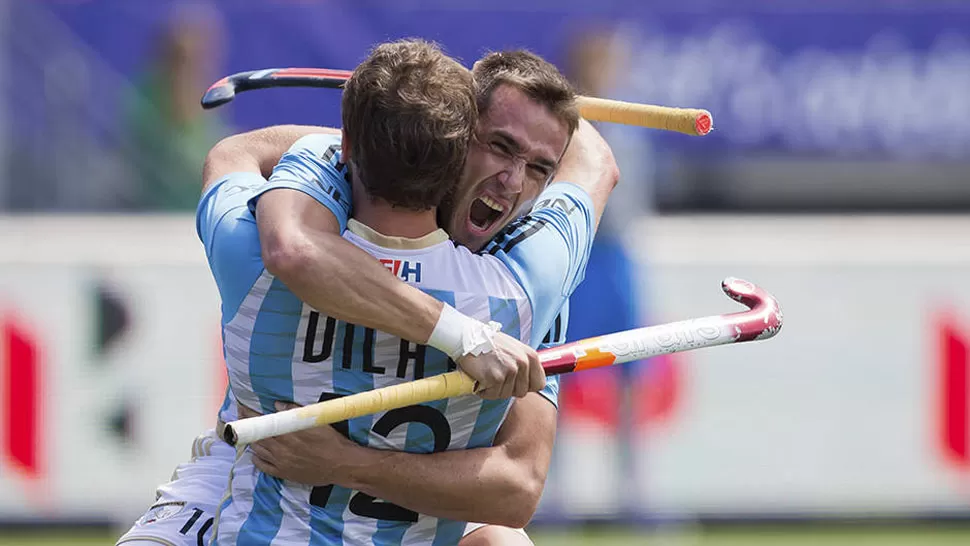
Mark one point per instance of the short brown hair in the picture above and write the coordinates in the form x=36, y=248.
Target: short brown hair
x=409, y=112
x=531, y=74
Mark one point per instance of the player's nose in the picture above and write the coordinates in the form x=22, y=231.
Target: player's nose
x=512, y=178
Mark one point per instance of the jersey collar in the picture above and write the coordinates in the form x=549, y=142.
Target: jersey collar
x=437, y=236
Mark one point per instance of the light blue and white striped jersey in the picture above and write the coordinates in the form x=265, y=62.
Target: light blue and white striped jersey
x=278, y=348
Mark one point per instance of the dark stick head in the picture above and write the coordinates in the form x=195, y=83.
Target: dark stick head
x=220, y=93
x=227, y=88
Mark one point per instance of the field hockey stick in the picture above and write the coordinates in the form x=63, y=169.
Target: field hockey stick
x=691, y=121
x=762, y=320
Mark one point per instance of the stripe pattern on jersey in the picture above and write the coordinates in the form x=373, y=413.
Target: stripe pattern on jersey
x=514, y=234
x=280, y=349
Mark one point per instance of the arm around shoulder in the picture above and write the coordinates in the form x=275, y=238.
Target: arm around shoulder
x=589, y=163
x=255, y=151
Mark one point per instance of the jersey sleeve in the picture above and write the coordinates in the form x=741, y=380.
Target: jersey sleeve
x=228, y=232
x=313, y=166
x=223, y=200
x=548, y=249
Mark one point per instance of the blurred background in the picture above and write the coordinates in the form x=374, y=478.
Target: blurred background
x=836, y=178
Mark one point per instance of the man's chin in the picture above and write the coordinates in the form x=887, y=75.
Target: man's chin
x=473, y=237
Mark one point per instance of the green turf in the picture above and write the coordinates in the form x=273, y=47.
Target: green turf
x=58, y=538
x=917, y=536
x=838, y=536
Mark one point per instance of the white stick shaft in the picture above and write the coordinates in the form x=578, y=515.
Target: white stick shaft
x=763, y=320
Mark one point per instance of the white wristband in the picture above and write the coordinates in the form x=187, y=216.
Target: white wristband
x=458, y=335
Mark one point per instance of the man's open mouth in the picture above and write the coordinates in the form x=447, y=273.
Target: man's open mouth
x=484, y=212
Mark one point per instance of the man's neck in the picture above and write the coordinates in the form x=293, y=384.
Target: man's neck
x=394, y=221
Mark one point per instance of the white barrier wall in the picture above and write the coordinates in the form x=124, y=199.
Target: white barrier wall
x=858, y=406
x=59, y=278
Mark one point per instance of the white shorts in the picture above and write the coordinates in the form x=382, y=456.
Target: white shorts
x=185, y=508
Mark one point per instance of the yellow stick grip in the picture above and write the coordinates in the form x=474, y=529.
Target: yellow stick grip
x=447, y=385
x=691, y=121
x=439, y=387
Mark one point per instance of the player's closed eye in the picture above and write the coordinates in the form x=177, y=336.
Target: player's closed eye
x=537, y=172
x=540, y=172
x=501, y=149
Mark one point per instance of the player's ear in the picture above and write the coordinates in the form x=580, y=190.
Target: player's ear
x=344, y=147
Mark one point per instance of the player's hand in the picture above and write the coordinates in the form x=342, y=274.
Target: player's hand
x=511, y=369
x=313, y=456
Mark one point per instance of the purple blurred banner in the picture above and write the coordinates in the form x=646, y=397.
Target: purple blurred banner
x=854, y=78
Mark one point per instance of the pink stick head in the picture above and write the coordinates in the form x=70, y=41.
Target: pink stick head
x=763, y=320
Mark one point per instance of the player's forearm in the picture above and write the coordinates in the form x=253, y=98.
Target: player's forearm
x=484, y=485
x=589, y=163
x=501, y=484
x=338, y=279
x=255, y=151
